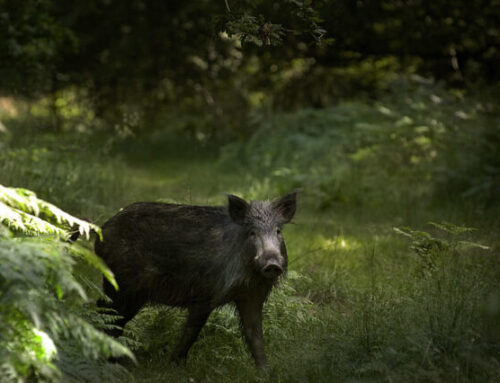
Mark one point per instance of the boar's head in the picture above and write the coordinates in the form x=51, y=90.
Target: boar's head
x=261, y=222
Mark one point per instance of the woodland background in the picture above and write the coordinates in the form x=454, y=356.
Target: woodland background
x=384, y=113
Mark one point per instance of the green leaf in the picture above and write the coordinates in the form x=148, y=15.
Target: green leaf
x=92, y=259
x=21, y=210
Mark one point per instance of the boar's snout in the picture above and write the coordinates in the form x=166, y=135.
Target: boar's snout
x=272, y=268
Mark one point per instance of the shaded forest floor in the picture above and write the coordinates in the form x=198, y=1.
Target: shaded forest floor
x=385, y=283
x=359, y=303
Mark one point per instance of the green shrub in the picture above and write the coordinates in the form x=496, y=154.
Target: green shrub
x=47, y=329
x=418, y=143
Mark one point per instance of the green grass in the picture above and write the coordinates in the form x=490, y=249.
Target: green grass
x=358, y=306
x=362, y=303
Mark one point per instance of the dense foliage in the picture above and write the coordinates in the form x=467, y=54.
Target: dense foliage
x=418, y=144
x=46, y=328
x=137, y=60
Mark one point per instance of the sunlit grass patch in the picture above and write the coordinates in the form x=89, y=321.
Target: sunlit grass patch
x=339, y=243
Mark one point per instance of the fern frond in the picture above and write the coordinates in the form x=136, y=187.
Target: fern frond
x=20, y=210
x=93, y=260
x=39, y=294
x=42, y=299
x=18, y=220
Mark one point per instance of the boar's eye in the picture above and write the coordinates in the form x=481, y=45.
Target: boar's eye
x=253, y=233
x=278, y=231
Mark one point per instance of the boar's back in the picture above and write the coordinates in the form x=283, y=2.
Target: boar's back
x=175, y=254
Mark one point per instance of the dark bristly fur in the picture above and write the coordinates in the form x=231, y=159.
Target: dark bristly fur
x=198, y=257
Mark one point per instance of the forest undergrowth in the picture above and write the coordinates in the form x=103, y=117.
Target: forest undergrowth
x=367, y=298
x=394, y=253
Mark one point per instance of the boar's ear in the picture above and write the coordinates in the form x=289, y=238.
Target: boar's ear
x=238, y=208
x=286, y=206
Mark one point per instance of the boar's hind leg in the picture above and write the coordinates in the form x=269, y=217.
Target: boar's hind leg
x=126, y=306
x=197, y=318
x=251, y=323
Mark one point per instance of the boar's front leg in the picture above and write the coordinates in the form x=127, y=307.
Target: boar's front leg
x=197, y=318
x=251, y=322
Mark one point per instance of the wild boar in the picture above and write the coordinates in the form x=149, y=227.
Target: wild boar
x=199, y=258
